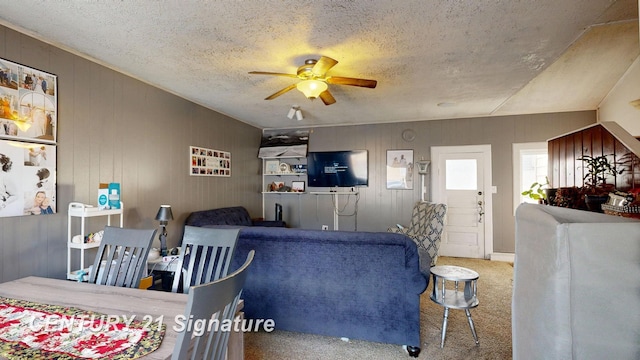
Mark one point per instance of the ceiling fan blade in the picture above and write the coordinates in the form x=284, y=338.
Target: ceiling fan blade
x=323, y=65
x=337, y=80
x=272, y=73
x=327, y=98
x=275, y=95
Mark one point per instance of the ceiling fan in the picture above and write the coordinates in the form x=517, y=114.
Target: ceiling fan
x=314, y=80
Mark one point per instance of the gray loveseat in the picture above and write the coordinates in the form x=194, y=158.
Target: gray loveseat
x=359, y=285
x=576, y=290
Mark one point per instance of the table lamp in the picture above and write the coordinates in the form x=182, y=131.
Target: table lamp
x=164, y=215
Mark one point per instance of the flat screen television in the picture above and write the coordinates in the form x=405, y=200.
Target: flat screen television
x=338, y=168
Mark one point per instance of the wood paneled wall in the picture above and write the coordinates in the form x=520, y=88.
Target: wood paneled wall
x=566, y=170
x=113, y=128
x=379, y=207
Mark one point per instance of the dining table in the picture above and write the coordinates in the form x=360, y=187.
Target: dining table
x=145, y=305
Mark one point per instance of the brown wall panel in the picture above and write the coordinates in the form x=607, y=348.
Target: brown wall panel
x=578, y=172
x=562, y=157
x=554, y=164
x=593, y=141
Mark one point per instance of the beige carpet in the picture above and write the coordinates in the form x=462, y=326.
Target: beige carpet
x=492, y=320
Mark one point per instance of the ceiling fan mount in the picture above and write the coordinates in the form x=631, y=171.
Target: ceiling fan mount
x=315, y=81
x=306, y=70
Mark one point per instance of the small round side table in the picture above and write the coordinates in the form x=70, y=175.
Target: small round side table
x=453, y=298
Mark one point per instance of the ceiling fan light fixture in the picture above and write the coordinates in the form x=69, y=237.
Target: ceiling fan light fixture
x=312, y=88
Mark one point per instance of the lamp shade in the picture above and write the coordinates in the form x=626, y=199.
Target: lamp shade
x=164, y=213
x=312, y=88
x=423, y=166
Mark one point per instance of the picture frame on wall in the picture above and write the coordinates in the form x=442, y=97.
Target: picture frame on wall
x=209, y=162
x=28, y=123
x=28, y=103
x=27, y=178
x=400, y=168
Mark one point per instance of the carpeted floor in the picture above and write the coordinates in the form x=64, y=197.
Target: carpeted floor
x=492, y=320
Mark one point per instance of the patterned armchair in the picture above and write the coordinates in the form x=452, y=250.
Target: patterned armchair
x=427, y=224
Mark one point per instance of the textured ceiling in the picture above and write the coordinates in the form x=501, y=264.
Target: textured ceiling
x=474, y=58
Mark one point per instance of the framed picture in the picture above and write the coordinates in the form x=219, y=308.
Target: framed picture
x=28, y=122
x=284, y=143
x=297, y=186
x=28, y=103
x=27, y=178
x=400, y=169
x=209, y=162
x=271, y=166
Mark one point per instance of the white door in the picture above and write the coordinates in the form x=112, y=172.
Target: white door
x=461, y=178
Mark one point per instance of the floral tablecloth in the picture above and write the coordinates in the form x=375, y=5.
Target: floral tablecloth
x=38, y=331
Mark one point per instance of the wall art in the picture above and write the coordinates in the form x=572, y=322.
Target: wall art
x=400, y=169
x=209, y=162
x=28, y=122
x=283, y=143
x=27, y=178
x=28, y=103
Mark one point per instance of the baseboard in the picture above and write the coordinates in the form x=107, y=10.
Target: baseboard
x=507, y=257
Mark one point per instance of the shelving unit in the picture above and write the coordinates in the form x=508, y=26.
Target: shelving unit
x=81, y=212
x=282, y=173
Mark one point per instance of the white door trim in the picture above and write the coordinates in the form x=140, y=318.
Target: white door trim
x=436, y=152
x=518, y=149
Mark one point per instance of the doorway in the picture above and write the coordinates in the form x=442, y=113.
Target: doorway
x=461, y=179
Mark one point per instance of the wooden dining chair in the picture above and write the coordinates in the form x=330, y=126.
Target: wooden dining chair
x=205, y=256
x=122, y=257
x=211, y=303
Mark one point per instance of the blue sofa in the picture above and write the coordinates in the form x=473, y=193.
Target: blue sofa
x=359, y=285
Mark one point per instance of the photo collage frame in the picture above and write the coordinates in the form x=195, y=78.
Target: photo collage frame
x=28, y=136
x=209, y=162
